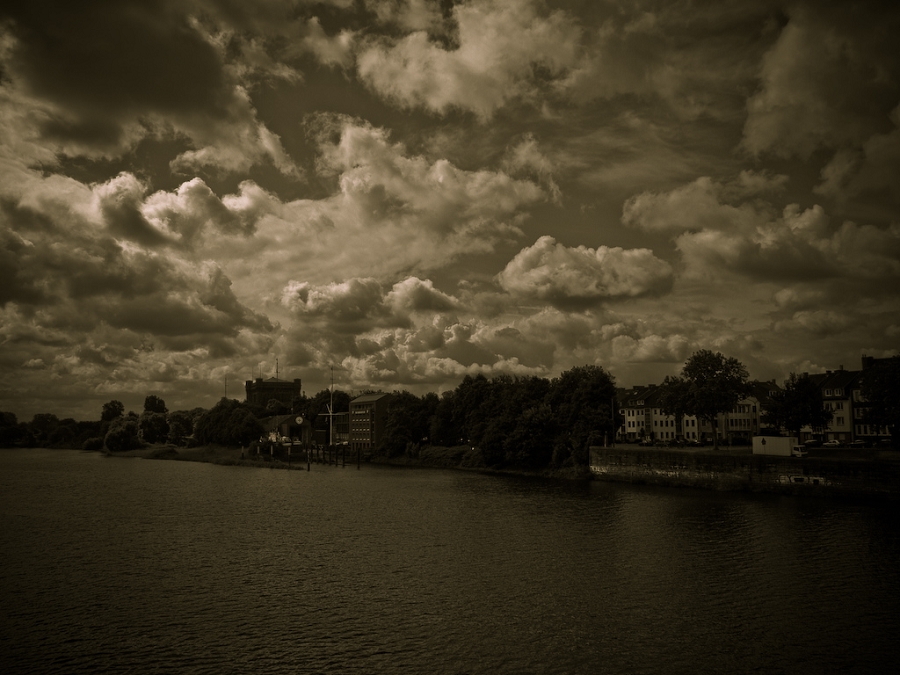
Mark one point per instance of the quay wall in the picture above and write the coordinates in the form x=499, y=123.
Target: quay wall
x=748, y=472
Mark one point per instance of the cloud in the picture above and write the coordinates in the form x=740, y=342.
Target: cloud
x=747, y=237
x=499, y=44
x=827, y=81
x=194, y=209
x=583, y=276
x=391, y=214
x=95, y=81
x=822, y=323
x=866, y=170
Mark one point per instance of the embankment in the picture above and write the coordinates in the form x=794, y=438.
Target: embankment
x=760, y=473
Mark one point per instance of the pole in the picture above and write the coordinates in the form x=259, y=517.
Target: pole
x=331, y=417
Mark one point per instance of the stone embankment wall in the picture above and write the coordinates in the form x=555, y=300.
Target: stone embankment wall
x=765, y=473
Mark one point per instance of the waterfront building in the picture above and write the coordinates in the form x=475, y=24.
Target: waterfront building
x=366, y=426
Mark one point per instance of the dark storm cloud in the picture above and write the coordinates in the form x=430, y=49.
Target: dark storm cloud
x=101, y=59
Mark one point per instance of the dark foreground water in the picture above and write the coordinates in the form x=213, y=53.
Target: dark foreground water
x=140, y=566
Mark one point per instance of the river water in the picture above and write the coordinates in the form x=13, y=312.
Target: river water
x=141, y=566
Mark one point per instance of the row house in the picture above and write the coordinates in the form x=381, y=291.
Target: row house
x=841, y=392
x=642, y=417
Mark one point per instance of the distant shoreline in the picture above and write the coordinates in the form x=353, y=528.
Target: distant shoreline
x=732, y=469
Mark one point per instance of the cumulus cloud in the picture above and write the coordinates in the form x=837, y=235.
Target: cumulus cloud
x=582, y=276
x=827, y=81
x=716, y=237
x=418, y=215
x=499, y=45
x=866, y=170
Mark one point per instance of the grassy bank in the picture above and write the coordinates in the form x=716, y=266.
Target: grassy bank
x=463, y=458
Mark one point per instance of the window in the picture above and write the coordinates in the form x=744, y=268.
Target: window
x=840, y=421
x=839, y=405
x=828, y=392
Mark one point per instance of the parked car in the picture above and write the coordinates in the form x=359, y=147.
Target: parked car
x=858, y=444
x=833, y=443
x=646, y=441
x=813, y=443
x=799, y=451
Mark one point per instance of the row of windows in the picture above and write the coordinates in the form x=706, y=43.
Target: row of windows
x=870, y=430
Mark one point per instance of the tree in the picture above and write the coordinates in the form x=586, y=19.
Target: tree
x=797, y=405
x=275, y=407
x=674, y=398
x=10, y=430
x=122, y=435
x=154, y=404
x=880, y=387
x=112, y=410
x=42, y=427
x=181, y=425
x=582, y=403
x=715, y=385
x=154, y=427
x=229, y=422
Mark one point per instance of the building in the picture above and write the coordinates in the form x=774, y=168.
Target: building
x=283, y=428
x=863, y=429
x=260, y=391
x=367, y=415
x=642, y=417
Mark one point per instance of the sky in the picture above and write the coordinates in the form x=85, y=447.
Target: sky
x=404, y=192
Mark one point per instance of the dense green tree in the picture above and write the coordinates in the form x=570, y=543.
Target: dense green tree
x=181, y=425
x=582, y=400
x=405, y=424
x=154, y=404
x=529, y=445
x=229, y=422
x=276, y=407
x=42, y=426
x=122, y=435
x=112, y=410
x=154, y=427
x=880, y=387
x=442, y=431
x=673, y=398
x=11, y=431
x=796, y=405
x=716, y=384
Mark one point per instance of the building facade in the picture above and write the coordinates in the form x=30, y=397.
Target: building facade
x=367, y=415
x=260, y=391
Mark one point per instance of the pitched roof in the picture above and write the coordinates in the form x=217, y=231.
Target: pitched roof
x=368, y=398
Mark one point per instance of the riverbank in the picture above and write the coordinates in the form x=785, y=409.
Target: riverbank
x=875, y=474
x=460, y=458
x=735, y=469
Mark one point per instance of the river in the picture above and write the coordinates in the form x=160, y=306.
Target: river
x=140, y=566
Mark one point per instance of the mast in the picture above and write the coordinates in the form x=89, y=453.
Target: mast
x=331, y=410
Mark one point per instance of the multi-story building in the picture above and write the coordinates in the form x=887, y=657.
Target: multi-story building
x=367, y=414
x=863, y=429
x=642, y=417
x=633, y=410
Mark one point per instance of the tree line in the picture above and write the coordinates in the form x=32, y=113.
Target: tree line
x=509, y=421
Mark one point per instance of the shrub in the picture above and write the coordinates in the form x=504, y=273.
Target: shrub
x=93, y=444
